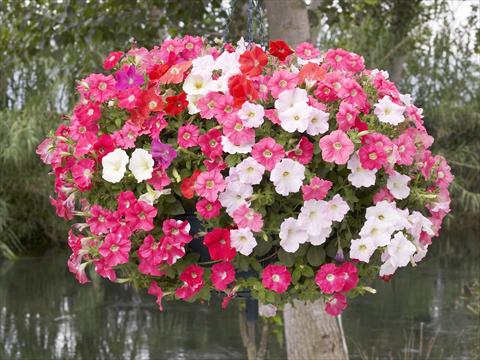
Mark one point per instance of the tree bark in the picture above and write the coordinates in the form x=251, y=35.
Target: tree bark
x=288, y=20
x=311, y=334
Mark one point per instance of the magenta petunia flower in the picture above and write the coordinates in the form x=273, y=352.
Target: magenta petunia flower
x=128, y=77
x=163, y=154
x=276, y=278
x=336, y=305
x=329, y=279
x=222, y=275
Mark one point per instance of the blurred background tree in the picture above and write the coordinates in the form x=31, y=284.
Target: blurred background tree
x=47, y=45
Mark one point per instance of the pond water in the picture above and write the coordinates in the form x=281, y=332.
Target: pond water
x=45, y=314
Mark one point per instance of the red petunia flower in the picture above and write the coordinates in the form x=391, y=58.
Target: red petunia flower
x=176, y=104
x=218, y=243
x=253, y=61
x=279, y=49
x=242, y=89
x=188, y=185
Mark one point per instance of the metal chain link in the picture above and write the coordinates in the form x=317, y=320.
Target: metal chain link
x=255, y=23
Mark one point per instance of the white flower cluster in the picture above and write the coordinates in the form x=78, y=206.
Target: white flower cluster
x=314, y=223
x=115, y=164
x=296, y=115
x=396, y=232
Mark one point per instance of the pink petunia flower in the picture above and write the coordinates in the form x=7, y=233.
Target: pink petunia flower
x=82, y=173
x=209, y=184
x=307, y=51
x=150, y=250
x=208, y=209
x=317, y=189
x=268, y=152
x=178, y=229
x=100, y=87
x=328, y=279
x=171, y=249
x=282, y=80
x=303, y=152
x=112, y=60
x=76, y=267
x=406, y=149
x=125, y=201
x=247, y=218
x=192, y=278
x=129, y=98
x=276, y=278
x=222, y=275
x=105, y=271
x=188, y=136
x=336, y=147
x=336, y=305
x=218, y=243
x=140, y=216
x=155, y=290
x=346, y=116
x=115, y=249
x=372, y=156
x=98, y=221
x=350, y=274
x=211, y=143
x=237, y=132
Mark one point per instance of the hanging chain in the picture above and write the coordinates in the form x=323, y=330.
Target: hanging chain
x=229, y=21
x=255, y=22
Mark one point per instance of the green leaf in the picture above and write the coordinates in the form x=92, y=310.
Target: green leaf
x=285, y=258
x=316, y=255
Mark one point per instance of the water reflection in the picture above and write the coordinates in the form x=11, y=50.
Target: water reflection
x=45, y=314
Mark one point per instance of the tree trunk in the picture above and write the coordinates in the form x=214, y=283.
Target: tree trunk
x=288, y=20
x=311, y=334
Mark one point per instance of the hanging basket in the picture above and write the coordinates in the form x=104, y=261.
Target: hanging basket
x=273, y=174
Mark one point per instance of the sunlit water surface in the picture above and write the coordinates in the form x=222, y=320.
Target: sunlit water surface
x=45, y=314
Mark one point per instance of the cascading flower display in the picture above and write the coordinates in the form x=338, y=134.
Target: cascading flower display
x=289, y=173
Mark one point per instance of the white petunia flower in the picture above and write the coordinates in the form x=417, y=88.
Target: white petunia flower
x=397, y=184
x=386, y=213
x=418, y=223
x=287, y=176
x=251, y=114
x=374, y=230
x=235, y=195
x=319, y=239
x=290, y=98
x=338, y=208
x=389, y=112
x=362, y=249
x=315, y=217
x=153, y=195
x=387, y=268
x=231, y=148
x=197, y=84
x=243, y=241
x=228, y=64
x=192, y=103
x=250, y=171
x=114, y=165
x=203, y=65
x=360, y=177
x=400, y=250
x=292, y=234
x=296, y=118
x=318, y=122
x=141, y=165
